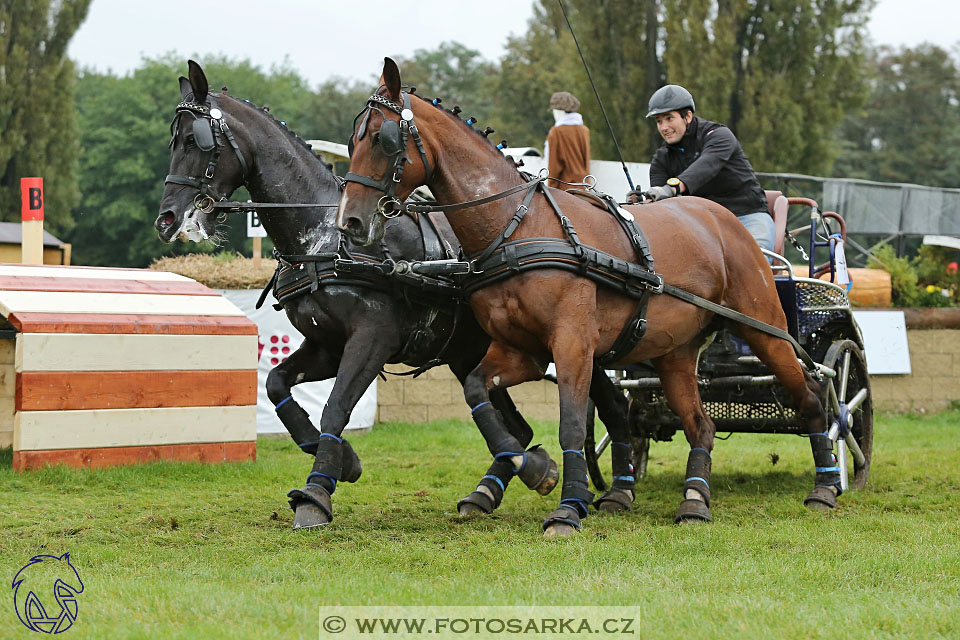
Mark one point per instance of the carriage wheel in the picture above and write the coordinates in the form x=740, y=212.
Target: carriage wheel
x=851, y=387
x=639, y=444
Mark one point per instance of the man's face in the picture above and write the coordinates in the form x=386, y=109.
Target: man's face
x=672, y=126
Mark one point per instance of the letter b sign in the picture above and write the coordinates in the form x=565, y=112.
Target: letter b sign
x=31, y=198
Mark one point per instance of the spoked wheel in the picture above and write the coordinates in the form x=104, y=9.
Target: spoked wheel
x=849, y=404
x=594, y=450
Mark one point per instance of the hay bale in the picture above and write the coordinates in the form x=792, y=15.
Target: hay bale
x=219, y=271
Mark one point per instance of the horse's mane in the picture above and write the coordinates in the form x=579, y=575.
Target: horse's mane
x=450, y=114
x=281, y=124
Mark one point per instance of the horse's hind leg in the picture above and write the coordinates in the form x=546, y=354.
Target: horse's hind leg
x=309, y=363
x=780, y=358
x=364, y=356
x=500, y=368
x=612, y=409
x=678, y=375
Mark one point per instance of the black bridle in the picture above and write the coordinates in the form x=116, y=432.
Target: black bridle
x=209, y=129
x=392, y=140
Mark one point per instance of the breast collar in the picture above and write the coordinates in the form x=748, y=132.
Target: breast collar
x=389, y=205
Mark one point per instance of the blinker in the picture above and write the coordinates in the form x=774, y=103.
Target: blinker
x=390, y=137
x=202, y=134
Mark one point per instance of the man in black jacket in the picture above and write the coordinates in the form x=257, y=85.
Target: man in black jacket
x=704, y=159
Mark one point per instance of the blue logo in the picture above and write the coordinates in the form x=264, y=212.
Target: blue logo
x=45, y=593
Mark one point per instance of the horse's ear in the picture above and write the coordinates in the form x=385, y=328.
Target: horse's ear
x=198, y=81
x=391, y=79
x=185, y=88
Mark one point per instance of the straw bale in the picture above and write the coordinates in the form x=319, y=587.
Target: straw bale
x=219, y=271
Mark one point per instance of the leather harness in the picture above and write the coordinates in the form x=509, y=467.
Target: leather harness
x=504, y=258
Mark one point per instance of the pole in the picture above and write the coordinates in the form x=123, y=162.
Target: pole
x=626, y=172
x=257, y=252
x=31, y=215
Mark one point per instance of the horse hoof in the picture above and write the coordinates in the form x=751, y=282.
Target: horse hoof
x=559, y=530
x=615, y=501
x=470, y=510
x=692, y=511
x=309, y=516
x=821, y=499
x=539, y=472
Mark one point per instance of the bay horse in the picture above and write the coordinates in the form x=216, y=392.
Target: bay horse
x=545, y=314
x=351, y=330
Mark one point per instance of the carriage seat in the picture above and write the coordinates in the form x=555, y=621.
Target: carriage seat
x=778, y=207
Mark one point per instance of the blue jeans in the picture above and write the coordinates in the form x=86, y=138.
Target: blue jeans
x=761, y=227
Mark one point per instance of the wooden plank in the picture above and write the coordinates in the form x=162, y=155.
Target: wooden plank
x=115, y=456
x=93, y=285
x=58, y=271
x=57, y=391
x=133, y=352
x=129, y=323
x=8, y=350
x=8, y=380
x=74, y=302
x=86, y=429
x=7, y=416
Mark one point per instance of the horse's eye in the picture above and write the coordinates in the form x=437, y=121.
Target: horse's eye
x=376, y=138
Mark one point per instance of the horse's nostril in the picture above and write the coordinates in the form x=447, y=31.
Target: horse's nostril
x=166, y=219
x=354, y=224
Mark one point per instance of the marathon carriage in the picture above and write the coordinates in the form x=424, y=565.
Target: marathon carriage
x=740, y=395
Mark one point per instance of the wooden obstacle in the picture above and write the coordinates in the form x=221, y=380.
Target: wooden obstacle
x=100, y=367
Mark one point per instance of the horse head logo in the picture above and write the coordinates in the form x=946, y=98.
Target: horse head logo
x=58, y=582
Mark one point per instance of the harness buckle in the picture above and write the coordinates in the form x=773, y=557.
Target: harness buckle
x=659, y=288
x=208, y=174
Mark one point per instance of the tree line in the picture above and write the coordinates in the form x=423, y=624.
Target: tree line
x=797, y=82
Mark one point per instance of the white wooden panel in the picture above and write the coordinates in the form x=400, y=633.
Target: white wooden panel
x=35, y=430
x=133, y=352
x=82, y=302
x=80, y=272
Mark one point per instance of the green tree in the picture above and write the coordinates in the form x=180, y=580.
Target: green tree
x=909, y=128
x=38, y=130
x=124, y=160
x=454, y=73
x=780, y=74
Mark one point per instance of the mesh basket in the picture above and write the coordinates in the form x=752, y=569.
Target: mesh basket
x=818, y=303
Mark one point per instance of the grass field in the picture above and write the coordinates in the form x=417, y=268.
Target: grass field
x=194, y=551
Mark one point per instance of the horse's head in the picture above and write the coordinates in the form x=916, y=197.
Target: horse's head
x=206, y=163
x=389, y=158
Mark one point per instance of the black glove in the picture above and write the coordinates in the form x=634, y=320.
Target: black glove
x=660, y=193
x=635, y=196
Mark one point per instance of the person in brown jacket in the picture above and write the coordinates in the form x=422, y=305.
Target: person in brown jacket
x=568, y=142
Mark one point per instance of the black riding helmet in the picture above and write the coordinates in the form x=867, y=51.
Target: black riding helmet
x=671, y=97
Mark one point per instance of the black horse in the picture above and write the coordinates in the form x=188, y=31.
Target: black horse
x=351, y=328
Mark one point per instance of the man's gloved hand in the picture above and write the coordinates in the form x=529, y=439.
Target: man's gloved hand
x=660, y=193
x=635, y=196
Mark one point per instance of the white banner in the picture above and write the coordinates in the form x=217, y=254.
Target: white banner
x=278, y=339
